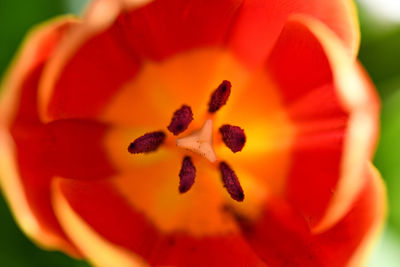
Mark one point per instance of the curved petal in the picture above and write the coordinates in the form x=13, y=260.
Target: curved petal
x=18, y=107
x=99, y=209
x=99, y=251
x=108, y=50
x=32, y=155
x=259, y=23
x=334, y=109
x=129, y=36
x=281, y=236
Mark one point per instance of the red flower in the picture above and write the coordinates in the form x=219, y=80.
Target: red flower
x=295, y=107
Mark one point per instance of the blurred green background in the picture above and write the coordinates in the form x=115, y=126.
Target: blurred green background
x=379, y=53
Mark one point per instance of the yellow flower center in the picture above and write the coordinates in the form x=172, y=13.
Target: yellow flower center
x=150, y=181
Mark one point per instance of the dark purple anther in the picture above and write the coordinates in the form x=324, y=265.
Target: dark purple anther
x=186, y=175
x=231, y=182
x=181, y=120
x=147, y=143
x=233, y=137
x=219, y=96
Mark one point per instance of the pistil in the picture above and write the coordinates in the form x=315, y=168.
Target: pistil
x=200, y=142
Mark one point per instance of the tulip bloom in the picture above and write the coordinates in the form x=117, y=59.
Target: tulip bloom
x=195, y=133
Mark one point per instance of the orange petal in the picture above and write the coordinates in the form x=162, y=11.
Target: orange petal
x=116, y=38
x=108, y=49
x=259, y=23
x=34, y=154
x=282, y=237
x=334, y=109
x=96, y=248
x=96, y=212
x=18, y=107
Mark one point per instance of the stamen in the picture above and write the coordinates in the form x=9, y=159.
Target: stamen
x=147, y=143
x=219, y=96
x=186, y=175
x=180, y=120
x=233, y=137
x=231, y=182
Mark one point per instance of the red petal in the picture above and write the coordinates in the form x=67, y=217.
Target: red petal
x=33, y=152
x=333, y=106
x=105, y=52
x=260, y=22
x=25, y=184
x=282, y=237
x=97, y=209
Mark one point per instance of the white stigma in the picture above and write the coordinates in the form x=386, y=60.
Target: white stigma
x=200, y=141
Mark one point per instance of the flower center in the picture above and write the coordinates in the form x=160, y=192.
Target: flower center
x=200, y=142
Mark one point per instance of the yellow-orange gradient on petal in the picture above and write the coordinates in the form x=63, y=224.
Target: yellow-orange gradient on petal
x=357, y=96
x=150, y=181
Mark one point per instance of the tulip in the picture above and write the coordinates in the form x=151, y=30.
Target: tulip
x=195, y=133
